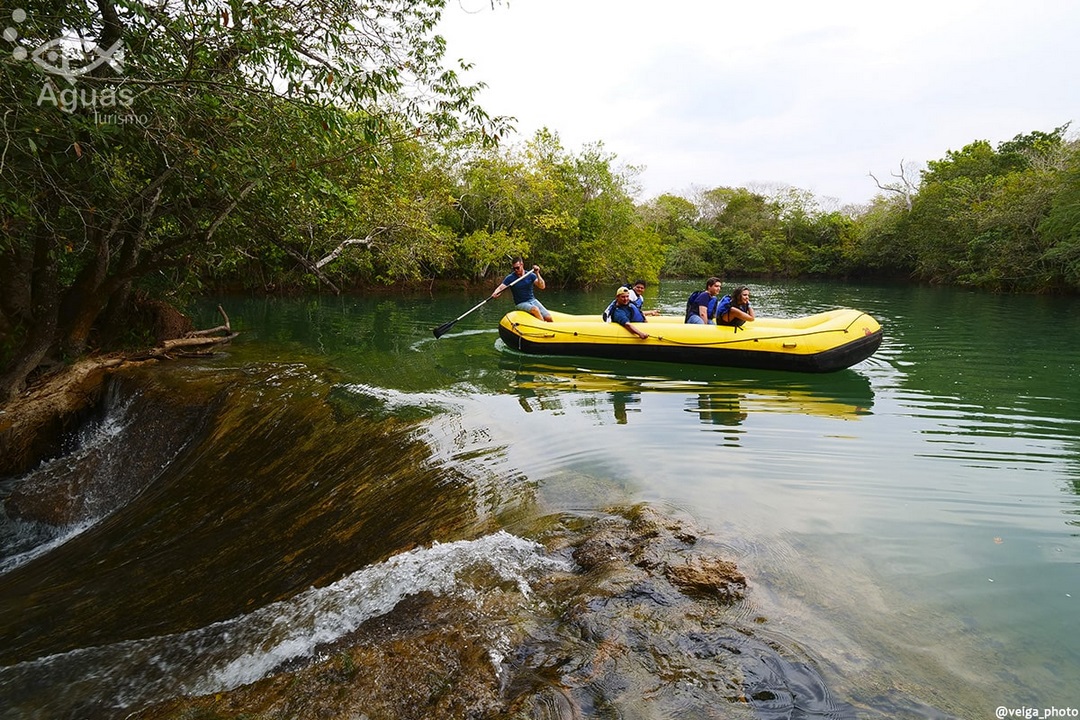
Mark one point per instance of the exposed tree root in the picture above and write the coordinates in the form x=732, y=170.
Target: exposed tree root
x=33, y=423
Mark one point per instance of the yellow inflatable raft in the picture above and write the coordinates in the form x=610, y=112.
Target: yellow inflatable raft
x=824, y=342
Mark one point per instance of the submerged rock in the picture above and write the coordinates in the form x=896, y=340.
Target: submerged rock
x=647, y=624
x=709, y=576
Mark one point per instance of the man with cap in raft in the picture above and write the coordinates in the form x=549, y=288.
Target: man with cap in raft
x=626, y=312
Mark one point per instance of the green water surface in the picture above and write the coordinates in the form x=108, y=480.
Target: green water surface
x=913, y=520
x=909, y=525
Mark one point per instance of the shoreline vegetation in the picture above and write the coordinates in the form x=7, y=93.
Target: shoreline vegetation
x=259, y=164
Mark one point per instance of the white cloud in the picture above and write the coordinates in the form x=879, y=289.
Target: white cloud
x=810, y=94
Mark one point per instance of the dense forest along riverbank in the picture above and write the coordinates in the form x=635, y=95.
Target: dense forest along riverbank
x=343, y=514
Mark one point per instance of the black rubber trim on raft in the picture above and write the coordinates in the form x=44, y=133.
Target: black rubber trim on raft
x=838, y=358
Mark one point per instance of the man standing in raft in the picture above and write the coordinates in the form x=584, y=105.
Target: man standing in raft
x=626, y=312
x=523, y=289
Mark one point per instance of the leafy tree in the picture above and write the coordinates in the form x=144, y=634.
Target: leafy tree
x=667, y=215
x=1060, y=229
x=223, y=118
x=748, y=227
x=482, y=251
x=491, y=192
x=880, y=239
x=975, y=162
x=573, y=212
x=693, y=254
x=978, y=216
x=1035, y=149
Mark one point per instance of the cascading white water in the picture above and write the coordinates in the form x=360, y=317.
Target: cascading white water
x=23, y=540
x=244, y=649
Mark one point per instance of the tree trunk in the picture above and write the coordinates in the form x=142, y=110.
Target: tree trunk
x=16, y=276
x=43, y=323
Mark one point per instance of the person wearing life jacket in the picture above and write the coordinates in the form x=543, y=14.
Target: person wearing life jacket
x=735, y=309
x=701, y=305
x=626, y=312
x=637, y=297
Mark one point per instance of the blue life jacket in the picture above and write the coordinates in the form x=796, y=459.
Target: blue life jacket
x=629, y=309
x=635, y=299
x=699, y=298
x=607, y=311
x=723, y=306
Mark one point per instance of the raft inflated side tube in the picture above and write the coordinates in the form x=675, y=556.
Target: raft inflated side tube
x=824, y=342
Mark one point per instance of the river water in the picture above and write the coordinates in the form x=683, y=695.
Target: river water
x=908, y=528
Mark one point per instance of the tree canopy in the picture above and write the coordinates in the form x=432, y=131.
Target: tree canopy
x=154, y=149
x=148, y=146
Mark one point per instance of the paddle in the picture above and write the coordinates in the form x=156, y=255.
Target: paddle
x=445, y=327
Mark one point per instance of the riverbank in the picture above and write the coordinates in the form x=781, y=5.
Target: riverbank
x=34, y=423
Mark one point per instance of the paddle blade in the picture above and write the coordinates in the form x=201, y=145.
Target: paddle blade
x=443, y=329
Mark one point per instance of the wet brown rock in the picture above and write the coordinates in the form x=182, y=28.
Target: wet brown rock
x=709, y=576
x=636, y=624
x=66, y=493
x=32, y=425
x=428, y=658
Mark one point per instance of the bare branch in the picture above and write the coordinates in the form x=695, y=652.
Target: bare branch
x=905, y=188
x=305, y=262
x=366, y=242
x=248, y=187
x=226, y=328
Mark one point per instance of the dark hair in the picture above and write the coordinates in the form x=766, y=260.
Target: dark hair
x=736, y=296
x=639, y=282
x=517, y=260
x=712, y=281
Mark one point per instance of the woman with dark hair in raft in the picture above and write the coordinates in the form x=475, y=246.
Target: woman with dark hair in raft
x=735, y=309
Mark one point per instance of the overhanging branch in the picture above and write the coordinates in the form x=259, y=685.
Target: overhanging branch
x=365, y=242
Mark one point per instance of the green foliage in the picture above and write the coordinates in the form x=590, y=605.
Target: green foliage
x=1002, y=219
x=693, y=253
x=481, y=252
x=234, y=136
x=879, y=245
x=668, y=215
x=1060, y=229
x=735, y=230
x=975, y=162
x=572, y=212
x=982, y=217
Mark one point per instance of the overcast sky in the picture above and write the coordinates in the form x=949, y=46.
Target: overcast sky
x=810, y=93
